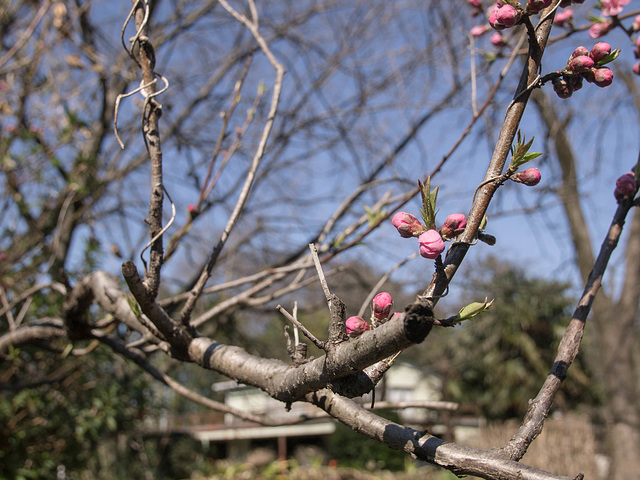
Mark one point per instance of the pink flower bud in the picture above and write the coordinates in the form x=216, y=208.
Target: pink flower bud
x=497, y=40
x=356, y=326
x=625, y=186
x=530, y=177
x=3, y=256
x=581, y=64
x=507, y=15
x=613, y=7
x=493, y=21
x=408, y=225
x=564, y=16
x=382, y=305
x=579, y=52
x=602, y=76
x=636, y=24
x=479, y=30
x=636, y=69
x=475, y=3
x=431, y=244
x=597, y=30
x=600, y=51
x=453, y=226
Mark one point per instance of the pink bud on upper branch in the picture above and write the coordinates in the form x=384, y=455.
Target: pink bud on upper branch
x=453, y=226
x=530, y=177
x=625, y=186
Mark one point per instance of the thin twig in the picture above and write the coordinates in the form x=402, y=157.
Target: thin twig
x=317, y=342
x=321, y=277
x=185, y=314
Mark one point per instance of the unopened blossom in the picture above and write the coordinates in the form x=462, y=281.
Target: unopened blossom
x=479, y=30
x=497, y=40
x=356, y=326
x=602, y=76
x=508, y=15
x=475, y=3
x=625, y=186
x=530, y=177
x=431, y=244
x=613, y=7
x=493, y=21
x=581, y=64
x=579, y=52
x=600, y=51
x=599, y=29
x=563, y=16
x=636, y=69
x=382, y=305
x=636, y=24
x=453, y=226
x=408, y=225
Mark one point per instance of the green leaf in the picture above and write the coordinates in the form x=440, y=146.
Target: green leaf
x=521, y=153
x=473, y=309
x=429, y=199
x=610, y=58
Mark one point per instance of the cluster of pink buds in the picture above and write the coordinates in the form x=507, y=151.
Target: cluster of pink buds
x=380, y=311
x=587, y=65
x=612, y=8
x=504, y=15
x=431, y=242
x=625, y=186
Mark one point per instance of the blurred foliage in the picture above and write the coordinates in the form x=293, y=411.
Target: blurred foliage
x=70, y=417
x=498, y=360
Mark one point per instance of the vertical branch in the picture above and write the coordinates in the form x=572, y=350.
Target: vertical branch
x=568, y=349
x=537, y=41
x=151, y=115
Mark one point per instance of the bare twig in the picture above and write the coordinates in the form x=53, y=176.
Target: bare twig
x=185, y=314
x=296, y=323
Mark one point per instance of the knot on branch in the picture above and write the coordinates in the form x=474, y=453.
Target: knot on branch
x=418, y=321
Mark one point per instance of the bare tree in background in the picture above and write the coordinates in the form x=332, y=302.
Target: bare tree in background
x=170, y=136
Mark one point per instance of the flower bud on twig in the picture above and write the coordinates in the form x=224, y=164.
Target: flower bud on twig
x=625, y=186
x=431, y=244
x=356, y=326
x=530, y=177
x=408, y=225
x=382, y=305
x=453, y=226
